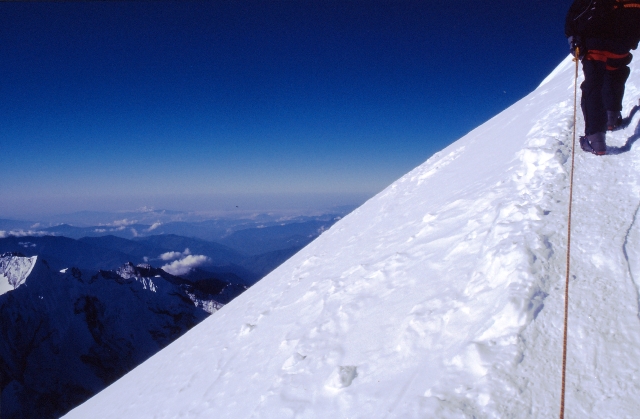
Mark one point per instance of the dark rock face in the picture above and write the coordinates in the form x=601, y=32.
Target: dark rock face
x=66, y=336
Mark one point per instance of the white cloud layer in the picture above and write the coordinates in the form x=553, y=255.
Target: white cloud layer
x=154, y=226
x=183, y=266
x=124, y=222
x=175, y=255
x=24, y=233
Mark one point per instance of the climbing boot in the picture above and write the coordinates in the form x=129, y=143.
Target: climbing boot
x=594, y=143
x=614, y=120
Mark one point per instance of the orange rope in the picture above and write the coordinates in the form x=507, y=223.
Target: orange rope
x=566, y=288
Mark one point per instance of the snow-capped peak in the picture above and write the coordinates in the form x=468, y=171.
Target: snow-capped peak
x=14, y=270
x=142, y=273
x=126, y=271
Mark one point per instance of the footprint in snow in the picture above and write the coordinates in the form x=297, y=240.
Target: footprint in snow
x=246, y=329
x=342, y=377
x=293, y=360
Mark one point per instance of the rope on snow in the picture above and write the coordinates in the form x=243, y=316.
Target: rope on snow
x=566, y=288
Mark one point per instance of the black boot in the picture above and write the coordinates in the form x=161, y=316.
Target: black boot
x=594, y=143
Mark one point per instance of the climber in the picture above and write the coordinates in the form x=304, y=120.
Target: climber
x=602, y=32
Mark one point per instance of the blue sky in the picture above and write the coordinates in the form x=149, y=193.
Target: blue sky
x=204, y=105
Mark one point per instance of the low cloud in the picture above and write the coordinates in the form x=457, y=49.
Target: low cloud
x=124, y=222
x=24, y=233
x=103, y=230
x=154, y=226
x=175, y=255
x=183, y=266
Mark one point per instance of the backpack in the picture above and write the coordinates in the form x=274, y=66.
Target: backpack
x=609, y=19
x=626, y=15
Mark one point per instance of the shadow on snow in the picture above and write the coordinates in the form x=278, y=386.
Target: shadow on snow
x=636, y=134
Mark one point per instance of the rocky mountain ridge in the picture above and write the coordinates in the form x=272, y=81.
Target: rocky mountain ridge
x=65, y=335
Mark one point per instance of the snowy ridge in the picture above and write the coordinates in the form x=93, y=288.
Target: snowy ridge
x=440, y=297
x=145, y=274
x=128, y=271
x=210, y=306
x=14, y=270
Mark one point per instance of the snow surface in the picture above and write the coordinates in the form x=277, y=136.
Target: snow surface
x=14, y=271
x=441, y=297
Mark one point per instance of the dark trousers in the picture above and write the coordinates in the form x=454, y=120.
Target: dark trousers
x=603, y=86
x=602, y=91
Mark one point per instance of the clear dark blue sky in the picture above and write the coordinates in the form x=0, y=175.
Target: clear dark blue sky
x=200, y=105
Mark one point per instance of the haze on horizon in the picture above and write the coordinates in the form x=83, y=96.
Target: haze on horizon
x=213, y=105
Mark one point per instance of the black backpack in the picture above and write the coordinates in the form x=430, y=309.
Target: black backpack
x=610, y=19
x=627, y=19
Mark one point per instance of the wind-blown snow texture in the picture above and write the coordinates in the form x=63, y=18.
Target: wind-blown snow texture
x=440, y=297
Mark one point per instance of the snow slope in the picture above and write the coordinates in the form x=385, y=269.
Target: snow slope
x=440, y=297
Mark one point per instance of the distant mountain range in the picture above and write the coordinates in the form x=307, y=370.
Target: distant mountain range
x=82, y=305
x=254, y=236
x=108, y=251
